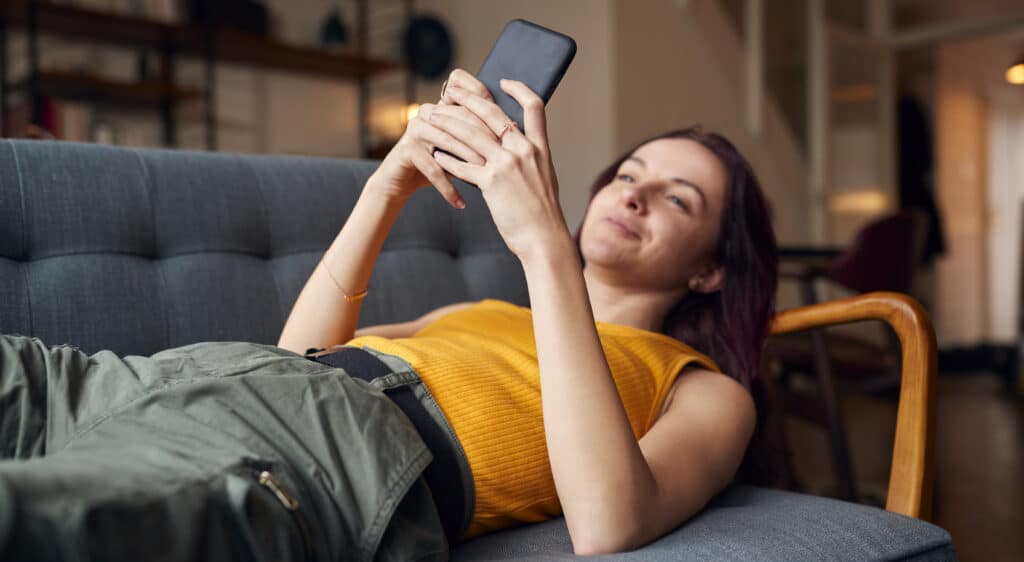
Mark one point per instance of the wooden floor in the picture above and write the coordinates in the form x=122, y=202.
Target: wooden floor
x=979, y=490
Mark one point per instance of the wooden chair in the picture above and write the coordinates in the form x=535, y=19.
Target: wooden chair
x=881, y=257
x=910, y=476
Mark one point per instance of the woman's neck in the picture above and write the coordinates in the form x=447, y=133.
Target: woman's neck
x=629, y=306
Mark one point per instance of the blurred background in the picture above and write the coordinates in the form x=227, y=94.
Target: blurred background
x=888, y=134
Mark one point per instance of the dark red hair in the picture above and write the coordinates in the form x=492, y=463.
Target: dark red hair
x=729, y=325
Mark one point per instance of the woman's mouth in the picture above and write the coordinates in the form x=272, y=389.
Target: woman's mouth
x=622, y=227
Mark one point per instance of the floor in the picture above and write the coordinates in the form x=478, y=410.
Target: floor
x=979, y=472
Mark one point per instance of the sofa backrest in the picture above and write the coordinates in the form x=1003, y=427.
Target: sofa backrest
x=138, y=250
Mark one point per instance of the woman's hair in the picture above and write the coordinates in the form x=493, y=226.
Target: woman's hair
x=729, y=325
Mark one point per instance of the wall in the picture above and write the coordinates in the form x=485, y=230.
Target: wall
x=1005, y=198
x=961, y=314
x=680, y=63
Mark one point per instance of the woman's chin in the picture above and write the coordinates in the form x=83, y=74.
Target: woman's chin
x=605, y=255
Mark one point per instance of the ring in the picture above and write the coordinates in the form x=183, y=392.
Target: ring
x=510, y=124
x=444, y=86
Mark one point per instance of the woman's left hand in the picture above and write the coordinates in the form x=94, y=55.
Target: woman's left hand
x=517, y=179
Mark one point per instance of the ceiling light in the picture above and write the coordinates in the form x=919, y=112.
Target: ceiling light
x=1015, y=74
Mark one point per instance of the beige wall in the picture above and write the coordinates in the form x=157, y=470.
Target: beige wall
x=961, y=314
x=680, y=63
x=1005, y=198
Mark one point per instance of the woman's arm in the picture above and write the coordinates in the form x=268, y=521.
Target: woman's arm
x=617, y=493
x=321, y=317
x=603, y=480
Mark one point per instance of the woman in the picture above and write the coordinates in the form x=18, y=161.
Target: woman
x=676, y=240
x=245, y=451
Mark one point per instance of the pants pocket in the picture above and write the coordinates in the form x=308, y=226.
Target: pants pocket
x=247, y=510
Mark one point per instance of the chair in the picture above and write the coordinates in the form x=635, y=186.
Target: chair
x=882, y=257
x=910, y=477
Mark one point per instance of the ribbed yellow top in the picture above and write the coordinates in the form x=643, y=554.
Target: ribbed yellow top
x=480, y=364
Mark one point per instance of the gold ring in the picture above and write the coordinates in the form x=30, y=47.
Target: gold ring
x=510, y=124
x=444, y=86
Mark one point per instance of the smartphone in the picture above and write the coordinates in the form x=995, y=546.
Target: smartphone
x=530, y=53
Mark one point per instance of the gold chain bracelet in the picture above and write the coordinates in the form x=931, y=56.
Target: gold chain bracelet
x=348, y=298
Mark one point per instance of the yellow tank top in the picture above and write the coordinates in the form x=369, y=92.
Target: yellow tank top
x=480, y=365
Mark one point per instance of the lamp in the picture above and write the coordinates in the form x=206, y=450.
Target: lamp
x=1015, y=74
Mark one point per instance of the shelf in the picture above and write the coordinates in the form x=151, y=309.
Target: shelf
x=143, y=93
x=227, y=45
x=80, y=23
x=246, y=48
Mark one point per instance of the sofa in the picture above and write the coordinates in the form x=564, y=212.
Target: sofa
x=138, y=250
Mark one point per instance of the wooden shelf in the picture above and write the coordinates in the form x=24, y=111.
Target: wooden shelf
x=225, y=45
x=140, y=94
x=209, y=45
x=246, y=48
x=80, y=23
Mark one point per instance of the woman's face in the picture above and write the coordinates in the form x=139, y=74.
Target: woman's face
x=668, y=198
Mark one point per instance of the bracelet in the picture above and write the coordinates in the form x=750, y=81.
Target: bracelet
x=348, y=298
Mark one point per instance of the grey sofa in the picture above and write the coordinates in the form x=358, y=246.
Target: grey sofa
x=141, y=250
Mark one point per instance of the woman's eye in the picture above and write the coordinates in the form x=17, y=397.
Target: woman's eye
x=624, y=177
x=679, y=202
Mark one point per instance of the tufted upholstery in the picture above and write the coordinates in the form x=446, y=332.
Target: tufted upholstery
x=141, y=250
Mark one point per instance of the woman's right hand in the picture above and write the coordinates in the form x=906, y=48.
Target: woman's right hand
x=410, y=164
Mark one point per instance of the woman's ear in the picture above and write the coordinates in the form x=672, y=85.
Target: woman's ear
x=709, y=281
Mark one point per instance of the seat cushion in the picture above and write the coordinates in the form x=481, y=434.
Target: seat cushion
x=747, y=523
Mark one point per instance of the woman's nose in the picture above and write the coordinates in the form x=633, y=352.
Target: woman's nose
x=635, y=198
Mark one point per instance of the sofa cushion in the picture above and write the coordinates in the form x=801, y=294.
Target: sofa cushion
x=138, y=250
x=747, y=523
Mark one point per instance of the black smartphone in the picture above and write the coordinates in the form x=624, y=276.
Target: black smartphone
x=530, y=53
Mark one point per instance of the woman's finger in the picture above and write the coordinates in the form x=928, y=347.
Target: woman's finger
x=534, y=118
x=470, y=173
x=483, y=141
x=461, y=113
x=487, y=111
x=465, y=80
x=434, y=173
x=436, y=137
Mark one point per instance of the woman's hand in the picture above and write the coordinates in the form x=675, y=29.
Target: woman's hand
x=516, y=177
x=409, y=166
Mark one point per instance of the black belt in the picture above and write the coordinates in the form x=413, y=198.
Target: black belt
x=443, y=475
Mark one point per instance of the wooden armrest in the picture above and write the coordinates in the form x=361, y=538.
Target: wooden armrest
x=910, y=477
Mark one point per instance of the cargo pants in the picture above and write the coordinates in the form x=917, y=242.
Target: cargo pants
x=212, y=451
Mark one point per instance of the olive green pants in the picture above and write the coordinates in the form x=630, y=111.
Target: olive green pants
x=213, y=451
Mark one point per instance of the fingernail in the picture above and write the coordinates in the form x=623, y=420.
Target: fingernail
x=460, y=203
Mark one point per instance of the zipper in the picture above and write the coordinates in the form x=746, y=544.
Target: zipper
x=267, y=480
